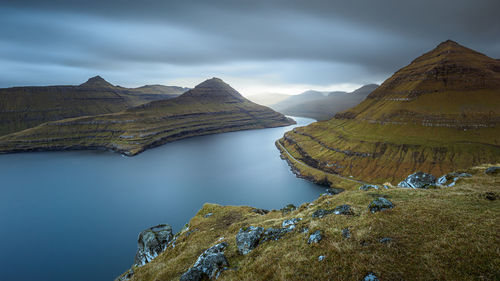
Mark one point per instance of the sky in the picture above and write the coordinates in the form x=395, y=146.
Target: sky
x=257, y=46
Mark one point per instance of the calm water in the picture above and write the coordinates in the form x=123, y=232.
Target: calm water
x=76, y=215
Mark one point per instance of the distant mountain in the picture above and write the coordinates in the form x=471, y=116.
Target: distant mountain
x=268, y=99
x=26, y=107
x=211, y=107
x=438, y=114
x=323, y=106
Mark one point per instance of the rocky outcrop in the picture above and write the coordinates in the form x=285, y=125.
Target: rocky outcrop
x=418, y=180
x=339, y=210
x=152, y=242
x=380, y=204
x=492, y=170
x=208, y=265
x=451, y=179
x=315, y=237
x=248, y=238
x=366, y=187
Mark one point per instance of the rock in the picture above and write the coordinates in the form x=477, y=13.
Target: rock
x=248, y=238
x=321, y=258
x=152, y=242
x=370, y=277
x=380, y=204
x=290, y=224
x=492, y=170
x=418, y=180
x=274, y=233
x=333, y=191
x=320, y=213
x=366, y=187
x=126, y=276
x=492, y=196
x=209, y=264
x=288, y=208
x=315, y=237
x=260, y=211
x=208, y=215
x=304, y=230
x=343, y=210
x=385, y=240
x=346, y=233
x=450, y=179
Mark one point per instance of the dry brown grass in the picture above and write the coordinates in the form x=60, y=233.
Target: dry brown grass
x=438, y=234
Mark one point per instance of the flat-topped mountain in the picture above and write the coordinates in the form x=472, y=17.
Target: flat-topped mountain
x=211, y=107
x=323, y=106
x=26, y=107
x=440, y=113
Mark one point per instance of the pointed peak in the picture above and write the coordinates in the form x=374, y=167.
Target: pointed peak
x=97, y=81
x=216, y=89
x=448, y=43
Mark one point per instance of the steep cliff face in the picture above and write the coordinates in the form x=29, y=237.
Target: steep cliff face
x=438, y=114
x=211, y=107
x=26, y=107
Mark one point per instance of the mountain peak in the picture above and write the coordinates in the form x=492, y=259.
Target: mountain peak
x=97, y=81
x=214, y=89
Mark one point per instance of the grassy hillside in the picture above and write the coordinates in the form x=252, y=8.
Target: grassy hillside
x=438, y=114
x=433, y=234
x=211, y=107
x=26, y=107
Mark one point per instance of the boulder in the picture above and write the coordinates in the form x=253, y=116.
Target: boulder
x=366, y=187
x=418, y=180
x=320, y=213
x=288, y=208
x=248, y=238
x=209, y=264
x=343, y=210
x=152, y=242
x=321, y=258
x=380, y=204
x=274, y=233
x=260, y=211
x=492, y=170
x=290, y=224
x=451, y=179
x=346, y=233
x=315, y=237
x=370, y=277
x=333, y=191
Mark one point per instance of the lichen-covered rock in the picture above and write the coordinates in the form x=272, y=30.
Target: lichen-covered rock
x=370, y=277
x=380, y=204
x=209, y=264
x=152, y=242
x=320, y=213
x=290, y=224
x=315, y=237
x=343, y=210
x=492, y=170
x=418, y=180
x=248, y=238
x=333, y=191
x=274, y=233
x=288, y=208
x=346, y=233
x=451, y=179
x=366, y=187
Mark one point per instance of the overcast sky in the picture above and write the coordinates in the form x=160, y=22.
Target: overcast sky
x=256, y=46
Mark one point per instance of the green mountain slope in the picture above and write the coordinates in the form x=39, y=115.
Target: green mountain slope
x=26, y=107
x=438, y=114
x=211, y=107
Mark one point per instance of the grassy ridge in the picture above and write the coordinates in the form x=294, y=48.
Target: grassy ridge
x=437, y=234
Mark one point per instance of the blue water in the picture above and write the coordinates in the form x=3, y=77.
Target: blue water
x=76, y=215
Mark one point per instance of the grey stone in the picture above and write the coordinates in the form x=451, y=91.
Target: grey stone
x=370, y=277
x=321, y=258
x=288, y=208
x=343, y=210
x=274, y=233
x=152, y=242
x=260, y=211
x=366, y=187
x=346, y=233
x=315, y=237
x=451, y=179
x=209, y=264
x=492, y=170
x=385, y=240
x=126, y=276
x=290, y=224
x=333, y=191
x=320, y=213
x=208, y=215
x=248, y=238
x=418, y=180
x=380, y=204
